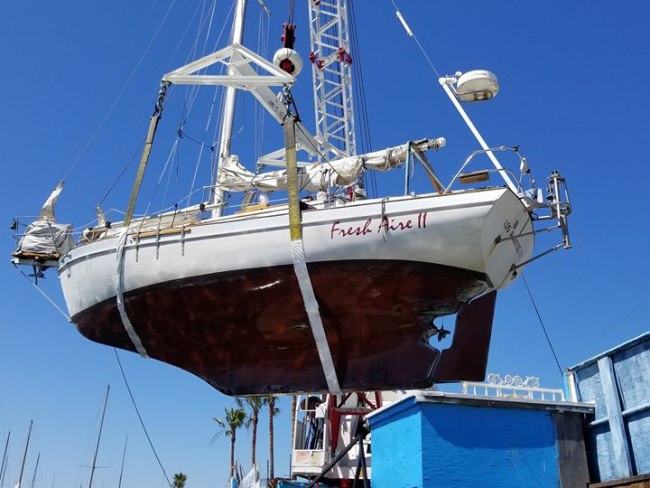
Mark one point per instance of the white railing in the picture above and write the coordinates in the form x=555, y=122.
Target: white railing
x=513, y=386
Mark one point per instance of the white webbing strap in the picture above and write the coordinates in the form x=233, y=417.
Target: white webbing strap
x=313, y=313
x=298, y=251
x=119, y=295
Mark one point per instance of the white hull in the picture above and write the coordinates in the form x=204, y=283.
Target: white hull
x=457, y=230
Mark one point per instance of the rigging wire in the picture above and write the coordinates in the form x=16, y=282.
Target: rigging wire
x=137, y=411
x=203, y=145
x=128, y=164
x=187, y=29
x=33, y=283
x=366, y=141
x=541, y=322
x=190, y=99
x=168, y=165
x=410, y=33
x=122, y=173
x=173, y=159
x=119, y=95
x=192, y=92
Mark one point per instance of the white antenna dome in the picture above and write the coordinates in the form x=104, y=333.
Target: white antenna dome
x=477, y=85
x=288, y=60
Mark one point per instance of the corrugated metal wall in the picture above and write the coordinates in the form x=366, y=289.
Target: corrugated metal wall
x=618, y=382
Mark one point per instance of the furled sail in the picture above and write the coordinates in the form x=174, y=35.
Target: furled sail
x=233, y=176
x=47, y=211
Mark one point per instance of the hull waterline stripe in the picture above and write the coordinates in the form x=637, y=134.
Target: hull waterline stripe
x=119, y=296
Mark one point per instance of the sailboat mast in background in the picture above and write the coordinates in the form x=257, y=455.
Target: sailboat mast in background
x=99, y=437
x=119, y=485
x=3, y=465
x=33, y=483
x=22, y=465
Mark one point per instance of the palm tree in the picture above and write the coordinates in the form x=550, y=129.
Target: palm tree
x=273, y=411
x=294, y=405
x=235, y=418
x=179, y=480
x=254, y=404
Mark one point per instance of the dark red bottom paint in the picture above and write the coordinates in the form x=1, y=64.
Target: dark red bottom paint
x=247, y=332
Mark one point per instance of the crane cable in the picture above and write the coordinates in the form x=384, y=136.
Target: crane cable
x=291, y=11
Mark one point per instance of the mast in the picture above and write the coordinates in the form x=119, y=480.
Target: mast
x=119, y=485
x=38, y=458
x=22, y=466
x=4, y=460
x=99, y=436
x=228, y=111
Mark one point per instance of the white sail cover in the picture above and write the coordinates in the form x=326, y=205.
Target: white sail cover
x=233, y=176
x=45, y=238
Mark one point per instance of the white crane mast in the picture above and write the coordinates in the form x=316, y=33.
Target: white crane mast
x=331, y=68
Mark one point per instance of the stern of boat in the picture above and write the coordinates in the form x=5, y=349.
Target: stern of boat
x=507, y=239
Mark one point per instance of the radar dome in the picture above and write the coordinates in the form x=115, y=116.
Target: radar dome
x=477, y=85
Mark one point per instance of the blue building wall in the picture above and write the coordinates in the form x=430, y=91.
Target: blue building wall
x=454, y=442
x=397, y=447
x=505, y=447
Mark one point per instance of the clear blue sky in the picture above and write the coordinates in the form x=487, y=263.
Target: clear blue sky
x=573, y=95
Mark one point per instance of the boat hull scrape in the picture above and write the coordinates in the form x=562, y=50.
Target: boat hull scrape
x=246, y=332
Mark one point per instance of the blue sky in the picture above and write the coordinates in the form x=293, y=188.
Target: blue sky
x=573, y=95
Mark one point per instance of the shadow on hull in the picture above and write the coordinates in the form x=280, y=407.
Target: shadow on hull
x=247, y=333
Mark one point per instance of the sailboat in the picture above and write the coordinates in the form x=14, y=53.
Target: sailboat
x=328, y=290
